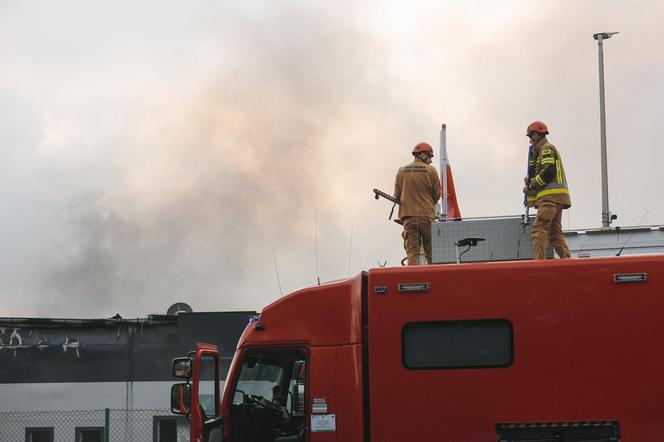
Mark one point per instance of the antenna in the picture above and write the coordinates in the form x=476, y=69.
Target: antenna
x=350, y=249
x=276, y=269
x=630, y=235
x=316, y=246
x=466, y=242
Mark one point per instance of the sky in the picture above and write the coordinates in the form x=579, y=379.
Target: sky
x=223, y=153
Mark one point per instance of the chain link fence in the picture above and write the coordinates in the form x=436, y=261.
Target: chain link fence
x=105, y=425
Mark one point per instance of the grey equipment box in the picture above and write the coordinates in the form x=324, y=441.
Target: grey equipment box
x=616, y=241
x=505, y=239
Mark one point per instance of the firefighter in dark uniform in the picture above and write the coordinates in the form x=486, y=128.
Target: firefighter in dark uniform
x=546, y=189
x=417, y=187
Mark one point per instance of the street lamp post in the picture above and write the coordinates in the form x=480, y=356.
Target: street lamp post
x=607, y=217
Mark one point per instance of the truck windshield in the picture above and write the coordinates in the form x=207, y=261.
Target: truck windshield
x=259, y=378
x=268, y=401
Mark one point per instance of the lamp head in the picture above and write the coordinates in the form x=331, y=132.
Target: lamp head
x=603, y=35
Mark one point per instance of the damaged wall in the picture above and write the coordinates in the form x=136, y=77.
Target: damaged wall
x=110, y=350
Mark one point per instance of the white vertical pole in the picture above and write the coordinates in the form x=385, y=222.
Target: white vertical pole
x=606, y=213
x=444, y=210
x=602, y=118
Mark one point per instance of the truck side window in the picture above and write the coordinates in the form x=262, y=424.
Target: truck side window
x=268, y=399
x=457, y=344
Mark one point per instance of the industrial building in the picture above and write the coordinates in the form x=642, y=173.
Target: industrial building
x=90, y=379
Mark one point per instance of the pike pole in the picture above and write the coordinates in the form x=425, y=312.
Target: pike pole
x=524, y=220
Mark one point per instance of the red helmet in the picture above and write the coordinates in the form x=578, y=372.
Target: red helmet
x=537, y=126
x=422, y=147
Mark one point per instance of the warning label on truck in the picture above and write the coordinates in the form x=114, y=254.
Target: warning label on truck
x=323, y=423
x=319, y=405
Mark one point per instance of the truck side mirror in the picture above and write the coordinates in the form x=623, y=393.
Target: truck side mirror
x=182, y=367
x=181, y=398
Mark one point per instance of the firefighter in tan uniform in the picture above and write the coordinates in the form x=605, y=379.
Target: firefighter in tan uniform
x=417, y=188
x=546, y=189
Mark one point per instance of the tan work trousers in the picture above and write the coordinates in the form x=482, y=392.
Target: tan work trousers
x=417, y=233
x=548, y=229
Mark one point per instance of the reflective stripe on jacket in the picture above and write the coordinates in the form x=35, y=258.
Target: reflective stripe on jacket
x=547, y=176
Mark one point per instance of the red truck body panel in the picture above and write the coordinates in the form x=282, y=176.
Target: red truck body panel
x=328, y=314
x=325, y=320
x=585, y=349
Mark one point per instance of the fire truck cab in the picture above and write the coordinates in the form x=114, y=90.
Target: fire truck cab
x=553, y=350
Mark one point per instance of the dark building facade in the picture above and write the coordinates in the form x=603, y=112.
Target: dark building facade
x=110, y=350
x=84, y=380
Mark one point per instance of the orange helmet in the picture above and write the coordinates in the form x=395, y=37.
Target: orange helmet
x=422, y=147
x=537, y=126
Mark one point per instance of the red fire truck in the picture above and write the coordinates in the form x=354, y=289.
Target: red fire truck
x=553, y=350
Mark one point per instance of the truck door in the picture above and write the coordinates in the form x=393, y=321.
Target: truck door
x=199, y=397
x=206, y=399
